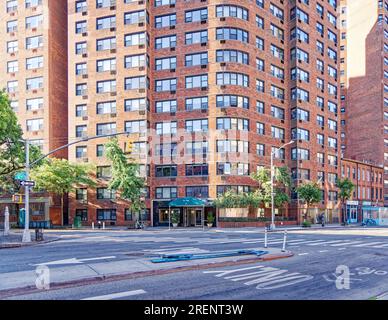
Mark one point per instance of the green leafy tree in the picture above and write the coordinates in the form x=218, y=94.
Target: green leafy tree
x=12, y=149
x=282, y=182
x=310, y=193
x=346, y=188
x=125, y=175
x=60, y=177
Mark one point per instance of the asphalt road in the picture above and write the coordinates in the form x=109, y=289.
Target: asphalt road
x=317, y=271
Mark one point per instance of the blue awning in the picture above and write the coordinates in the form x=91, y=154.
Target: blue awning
x=187, y=202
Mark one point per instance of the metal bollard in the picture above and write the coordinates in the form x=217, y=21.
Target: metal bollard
x=103, y=226
x=284, y=241
x=93, y=225
x=265, y=238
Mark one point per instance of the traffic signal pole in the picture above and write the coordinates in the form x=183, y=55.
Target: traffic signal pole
x=26, y=232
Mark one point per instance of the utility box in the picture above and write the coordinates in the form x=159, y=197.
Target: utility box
x=38, y=234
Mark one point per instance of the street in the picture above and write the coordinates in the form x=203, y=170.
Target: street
x=338, y=263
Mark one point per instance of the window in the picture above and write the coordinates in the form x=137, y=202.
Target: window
x=106, y=128
x=80, y=27
x=159, y=3
x=81, y=89
x=82, y=213
x=195, y=37
x=165, y=42
x=260, y=149
x=166, y=106
x=236, y=169
x=34, y=21
x=168, y=63
x=232, y=11
x=12, y=66
x=34, y=42
x=260, y=107
x=197, y=169
x=34, y=63
x=196, y=81
x=33, y=3
x=299, y=54
x=277, y=112
x=134, y=39
x=134, y=17
x=166, y=149
x=232, y=34
x=276, y=11
x=165, y=85
x=277, y=52
x=277, y=32
x=81, y=48
x=34, y=83
x=34, y=125
x=106, y=107
x=106, y=65
x=300, y=94
x=277, y=92
x=300, y=134
x=163, y=128
x=81, y=194
x=136, y=126
x=232, y=56
x=12, y=26
x=80, y=69
x=106, y=214
x=196, y=59
x=226, y=101
x=166, y=171
x=300, y=114
x=297, y=33
x=232, y=146
x=12, y=46
x=81, y=6
x=277, y=72
x=200, y=125
x=196, y=103
x=259, y=43
x=104, y=172
x=259, y=22
x=136, y=83
x=230, y=78
x=260, y=128
x=34, y=104
x=236, y=189
x=135, y=104
x=106, y=86
x=232, y=124
x=197, y=147
x=106, y=22
x=197, y=192
x=165, y=21
x=166, y=192
x=12, y=5
x=277, y=133
x=81, y=110
x=260, y=86
x=12, y=86
x=196, y=15
x=300, y=154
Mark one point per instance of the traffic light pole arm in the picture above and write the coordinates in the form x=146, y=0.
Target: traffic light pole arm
x=76, y=142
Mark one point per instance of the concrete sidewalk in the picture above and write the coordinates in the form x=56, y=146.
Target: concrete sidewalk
x=14, y=240
x=82, y=273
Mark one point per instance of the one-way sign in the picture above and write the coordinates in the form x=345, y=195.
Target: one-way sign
x=27, y=183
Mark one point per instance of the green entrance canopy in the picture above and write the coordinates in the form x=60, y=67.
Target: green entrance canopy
x=187, y=202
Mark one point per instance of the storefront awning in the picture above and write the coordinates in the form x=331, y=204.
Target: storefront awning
x=187, y=202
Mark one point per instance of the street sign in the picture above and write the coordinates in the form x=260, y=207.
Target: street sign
x=21, y=175
x=27, y=183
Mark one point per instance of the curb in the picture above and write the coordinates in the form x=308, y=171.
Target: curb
x=11, y=245
x=117, y=277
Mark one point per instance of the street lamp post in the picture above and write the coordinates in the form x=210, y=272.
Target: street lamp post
x=26, y=232
x=272, y=227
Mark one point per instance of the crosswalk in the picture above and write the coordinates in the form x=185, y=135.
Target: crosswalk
x=275, y=241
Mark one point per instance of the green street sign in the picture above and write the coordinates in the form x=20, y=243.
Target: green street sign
x=21, y=175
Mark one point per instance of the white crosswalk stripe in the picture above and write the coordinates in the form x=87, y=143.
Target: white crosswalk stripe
x=344, y=244
x=368, y=244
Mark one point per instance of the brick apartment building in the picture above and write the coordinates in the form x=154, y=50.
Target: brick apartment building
x=206, y=90
x=369, y=186
x=34, y=73
x=364, y=61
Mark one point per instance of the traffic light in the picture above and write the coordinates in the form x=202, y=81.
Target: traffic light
x=129, y=147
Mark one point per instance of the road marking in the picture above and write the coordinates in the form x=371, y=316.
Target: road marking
x=325, y=243
x=342, y=249
x=265, y=278
x=303, y=254
x=72, y=261
x=381, y=246
x=368, y=244
x=323, y=250
x=117, y=295
x=344, y=244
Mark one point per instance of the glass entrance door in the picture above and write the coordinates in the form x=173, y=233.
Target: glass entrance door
x=352, y=214
x=198, y=217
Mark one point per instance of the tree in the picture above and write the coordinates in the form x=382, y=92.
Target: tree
x=125, y=175
x=346, y=187
x=310, y=193
x=282, y=182
x=12, y=149
x=60, y=177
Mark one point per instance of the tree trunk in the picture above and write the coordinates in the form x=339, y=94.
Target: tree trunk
x=62, y=207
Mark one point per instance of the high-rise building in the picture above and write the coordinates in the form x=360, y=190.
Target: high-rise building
x=34, y=74
x=206, y=91
x=364, y=126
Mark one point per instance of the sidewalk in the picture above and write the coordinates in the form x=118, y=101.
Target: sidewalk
x=14, y=240
x=84, y=273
